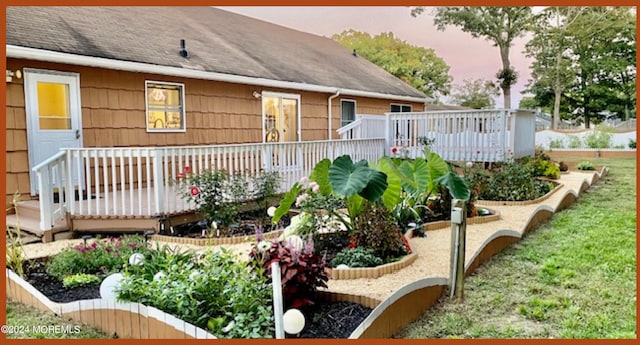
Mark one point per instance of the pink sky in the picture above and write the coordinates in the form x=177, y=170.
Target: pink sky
x=468, y=58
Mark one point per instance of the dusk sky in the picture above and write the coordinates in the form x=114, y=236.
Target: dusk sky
x=468, y=58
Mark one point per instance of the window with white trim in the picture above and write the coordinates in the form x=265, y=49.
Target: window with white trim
x=403, y=127
x=347, y=112
x=165, y=107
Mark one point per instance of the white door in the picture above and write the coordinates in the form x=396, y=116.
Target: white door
x=52, y=103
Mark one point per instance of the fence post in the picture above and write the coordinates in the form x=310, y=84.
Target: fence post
x=458, y=240
x=387, y=133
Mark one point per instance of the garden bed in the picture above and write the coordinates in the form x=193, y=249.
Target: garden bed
x=557, y=187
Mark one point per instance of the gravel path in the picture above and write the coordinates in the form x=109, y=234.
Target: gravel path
x=433, y=250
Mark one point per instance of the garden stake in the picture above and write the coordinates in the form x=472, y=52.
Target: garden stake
x=458, y=239
x=277, y=299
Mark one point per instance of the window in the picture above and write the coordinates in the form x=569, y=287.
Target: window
x=400, y=108
x=403, y=126
x=165, y=107
x=347, y=111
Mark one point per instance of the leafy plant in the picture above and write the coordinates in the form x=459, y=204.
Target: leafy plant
x=376, y=229
x=574, y=142
x=212, y=290
x=598, y=140
x=302, y=271
x=15, y=246
x=356, y=257
x=632, y=144
x=585, y=165
x=556, y=143
x=510, y=181
x=102, y=257
x=80, y=279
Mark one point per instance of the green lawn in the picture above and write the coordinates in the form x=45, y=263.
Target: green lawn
x=25, y=320
x=573, y=277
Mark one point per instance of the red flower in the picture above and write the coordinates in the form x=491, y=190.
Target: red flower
x=394, y=150
x=407, y=247
x=352, y=242
x=195, y=191
x=180, y=176
x=187, y=169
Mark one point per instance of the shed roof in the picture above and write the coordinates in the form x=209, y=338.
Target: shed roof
x=217, y=41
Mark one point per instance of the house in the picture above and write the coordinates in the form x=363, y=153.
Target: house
x=121, y=78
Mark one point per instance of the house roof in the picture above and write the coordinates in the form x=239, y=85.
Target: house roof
x=218, y=41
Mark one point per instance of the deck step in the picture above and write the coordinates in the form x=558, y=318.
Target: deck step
x=31, y=226
x=28, y=209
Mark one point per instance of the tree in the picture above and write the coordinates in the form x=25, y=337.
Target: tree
x=585, y=61
x=417, y=66
x=475, y=93
x=500, y=25
x=552, y=70
x=528, y=103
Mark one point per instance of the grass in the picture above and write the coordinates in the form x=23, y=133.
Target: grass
x=573, y=277
x=31, y=323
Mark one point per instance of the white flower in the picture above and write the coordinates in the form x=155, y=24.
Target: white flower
x=315, y=187
x=159, y=276
x=264, y=246
x=136, y=259
x=214, y=225
x=228, y=327
x=304, y=180
x=469, y=164
x=271, y=211
x=301, y=198
x=295, y=242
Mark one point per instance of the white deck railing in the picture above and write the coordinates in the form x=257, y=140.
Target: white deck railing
x=139, y=181
x=471, y=135
x=365, y=126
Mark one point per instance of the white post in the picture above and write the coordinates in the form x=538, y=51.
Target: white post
x=387, y=133
x=277, y=299
x=458, y=232
x=158, y=181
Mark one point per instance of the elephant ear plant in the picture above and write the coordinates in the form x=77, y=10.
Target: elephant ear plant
x=354, y=183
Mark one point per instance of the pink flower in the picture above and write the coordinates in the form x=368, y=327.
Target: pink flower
x=187, y=169
x=195, y=191
x=180, y=176
x=394, y=150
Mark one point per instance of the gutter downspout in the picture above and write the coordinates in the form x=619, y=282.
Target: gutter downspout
x=330, y=132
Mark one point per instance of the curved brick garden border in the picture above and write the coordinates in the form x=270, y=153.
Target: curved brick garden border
x=388, y=316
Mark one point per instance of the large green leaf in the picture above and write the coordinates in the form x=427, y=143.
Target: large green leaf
x=391, y=196
x=376, y=185
x=437, y=168
x=286, y=202
x=346, y=178
x=320, y=174
x=457, y=185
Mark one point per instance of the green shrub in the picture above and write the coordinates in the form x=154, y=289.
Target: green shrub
x=574, y=142
x=356, y=257
x=556, y=144
x=585, y=165
x=598, y=140
x=214, y=291
x=632, y=144
x=101, y=257
x=375, y=228
x=551, y=171
x=81, y=279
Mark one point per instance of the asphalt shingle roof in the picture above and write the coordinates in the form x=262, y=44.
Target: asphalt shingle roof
x=217, y=41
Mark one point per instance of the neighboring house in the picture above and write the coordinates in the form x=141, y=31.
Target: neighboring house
x=175, y=76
